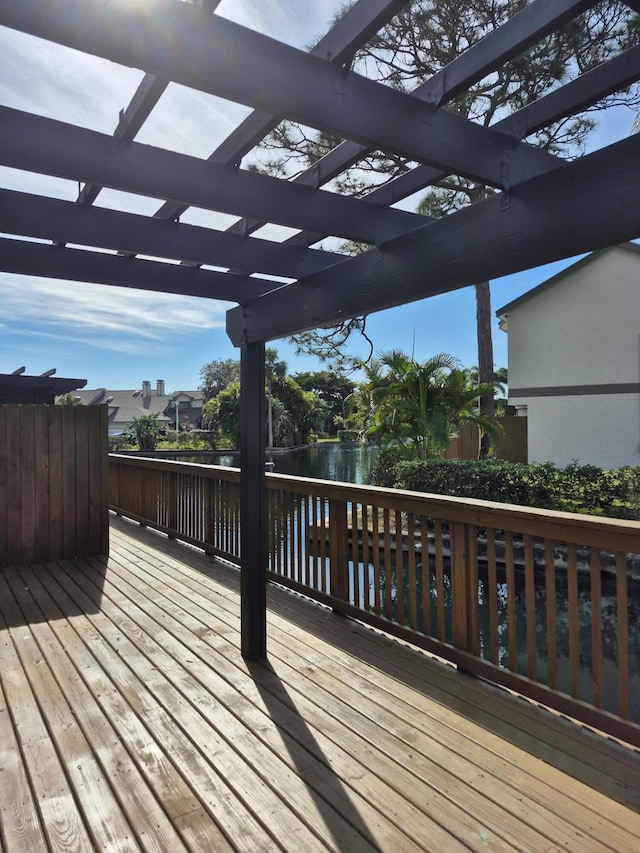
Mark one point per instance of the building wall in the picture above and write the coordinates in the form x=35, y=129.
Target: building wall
x=602, y=430
x=580, y=337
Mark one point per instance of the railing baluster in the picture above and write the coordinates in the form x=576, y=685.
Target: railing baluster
x=530, y=596
x=596, y=627
x=552, y=616
x=473, y=604
x=388, y=598
x=492, y=593
x=399, y=567
x=459, y=585
x=338, y=549
x=375, y=544
x=511, y=602
x=574, y=621
x=364, y=515
x=622, y=614
x=411, y=561
x=440, y=579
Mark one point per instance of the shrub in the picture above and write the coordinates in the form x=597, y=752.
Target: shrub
x=576, y=488
x=119, y=442
x=347, y=434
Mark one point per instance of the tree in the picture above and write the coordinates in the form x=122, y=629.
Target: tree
x=217, y=375
x=418, y=43
x=69, y=399
x=222, y=414
x=333, y=389
x=419, y=405
x=145, y=431
x=297, y=412
x=293, y=412
x=272, y=367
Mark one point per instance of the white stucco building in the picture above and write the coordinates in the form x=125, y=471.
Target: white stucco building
x=574, y=361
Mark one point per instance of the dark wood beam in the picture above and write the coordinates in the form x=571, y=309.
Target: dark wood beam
x=40, y=259
x=568, y=100
x=530, y=25
x=253, y=504
x=358, y=24
x=50, y=147
x=590, y=204
x=220, y=57
x=137, y=112
x=26, y=215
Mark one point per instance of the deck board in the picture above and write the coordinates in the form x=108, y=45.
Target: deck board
x=130, y=721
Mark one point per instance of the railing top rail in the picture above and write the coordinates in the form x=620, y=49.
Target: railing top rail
x=213, y=472
x=605, y=533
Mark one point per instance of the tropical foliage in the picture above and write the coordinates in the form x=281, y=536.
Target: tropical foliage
x=145, y=431
x=419, y=405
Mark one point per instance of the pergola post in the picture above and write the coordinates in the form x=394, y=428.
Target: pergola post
x=253, y=528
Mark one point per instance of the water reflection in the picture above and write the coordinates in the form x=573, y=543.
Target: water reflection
x=344, y=463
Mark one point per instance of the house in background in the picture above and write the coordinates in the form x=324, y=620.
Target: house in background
x=574, y=361
x=183, y=407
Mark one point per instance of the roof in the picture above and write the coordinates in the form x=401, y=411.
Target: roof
x=503, y=312
x=124, y=405
x=544, y=209
x=18, y=388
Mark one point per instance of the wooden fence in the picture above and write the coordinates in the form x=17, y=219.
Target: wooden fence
x=53, y=483
x=537, y=601
x=511, y=445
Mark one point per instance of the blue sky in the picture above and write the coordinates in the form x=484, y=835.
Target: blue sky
x=116, y=338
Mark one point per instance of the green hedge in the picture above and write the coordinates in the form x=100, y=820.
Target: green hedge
x=576, y=488
x=347, y=434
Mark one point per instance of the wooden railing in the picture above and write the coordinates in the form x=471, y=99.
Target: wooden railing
x=544, y=603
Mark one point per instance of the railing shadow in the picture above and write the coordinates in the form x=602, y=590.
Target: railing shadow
x=563, y=743
x=541, y=733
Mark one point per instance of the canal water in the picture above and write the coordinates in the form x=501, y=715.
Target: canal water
x=343, y=463
x=353, y=464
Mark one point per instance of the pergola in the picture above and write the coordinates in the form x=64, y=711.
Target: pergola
x=545, y=208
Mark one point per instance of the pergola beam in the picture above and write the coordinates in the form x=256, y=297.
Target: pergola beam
x=62, y=150
x=137, y=112
x=529, y=26
x=568, y=100
x=40, y=259
x=220, y=57
x=26, y=215
x=590, y=204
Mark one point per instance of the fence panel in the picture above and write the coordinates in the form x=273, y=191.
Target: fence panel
x=53, y=483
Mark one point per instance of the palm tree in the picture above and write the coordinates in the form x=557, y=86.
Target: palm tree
x=420, y=405
x=69, y=399
x=273, y=367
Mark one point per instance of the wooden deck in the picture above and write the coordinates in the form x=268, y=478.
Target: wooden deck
x=129, y=721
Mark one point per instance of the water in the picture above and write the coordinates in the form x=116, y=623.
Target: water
x=344, y=463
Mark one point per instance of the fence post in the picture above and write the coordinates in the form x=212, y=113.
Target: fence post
x=464, y=590
x=338, y=550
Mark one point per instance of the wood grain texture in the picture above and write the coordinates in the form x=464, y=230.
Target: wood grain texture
x=53, y=483
x=126, y=694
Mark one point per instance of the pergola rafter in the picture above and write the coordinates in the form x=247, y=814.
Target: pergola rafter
x=544, y=208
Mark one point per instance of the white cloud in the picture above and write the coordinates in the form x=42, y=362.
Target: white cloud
x=105, y=315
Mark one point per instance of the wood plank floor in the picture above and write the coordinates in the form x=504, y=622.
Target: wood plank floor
x=129, y=721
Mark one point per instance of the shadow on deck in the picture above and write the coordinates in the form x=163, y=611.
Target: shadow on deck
x=129, y=720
